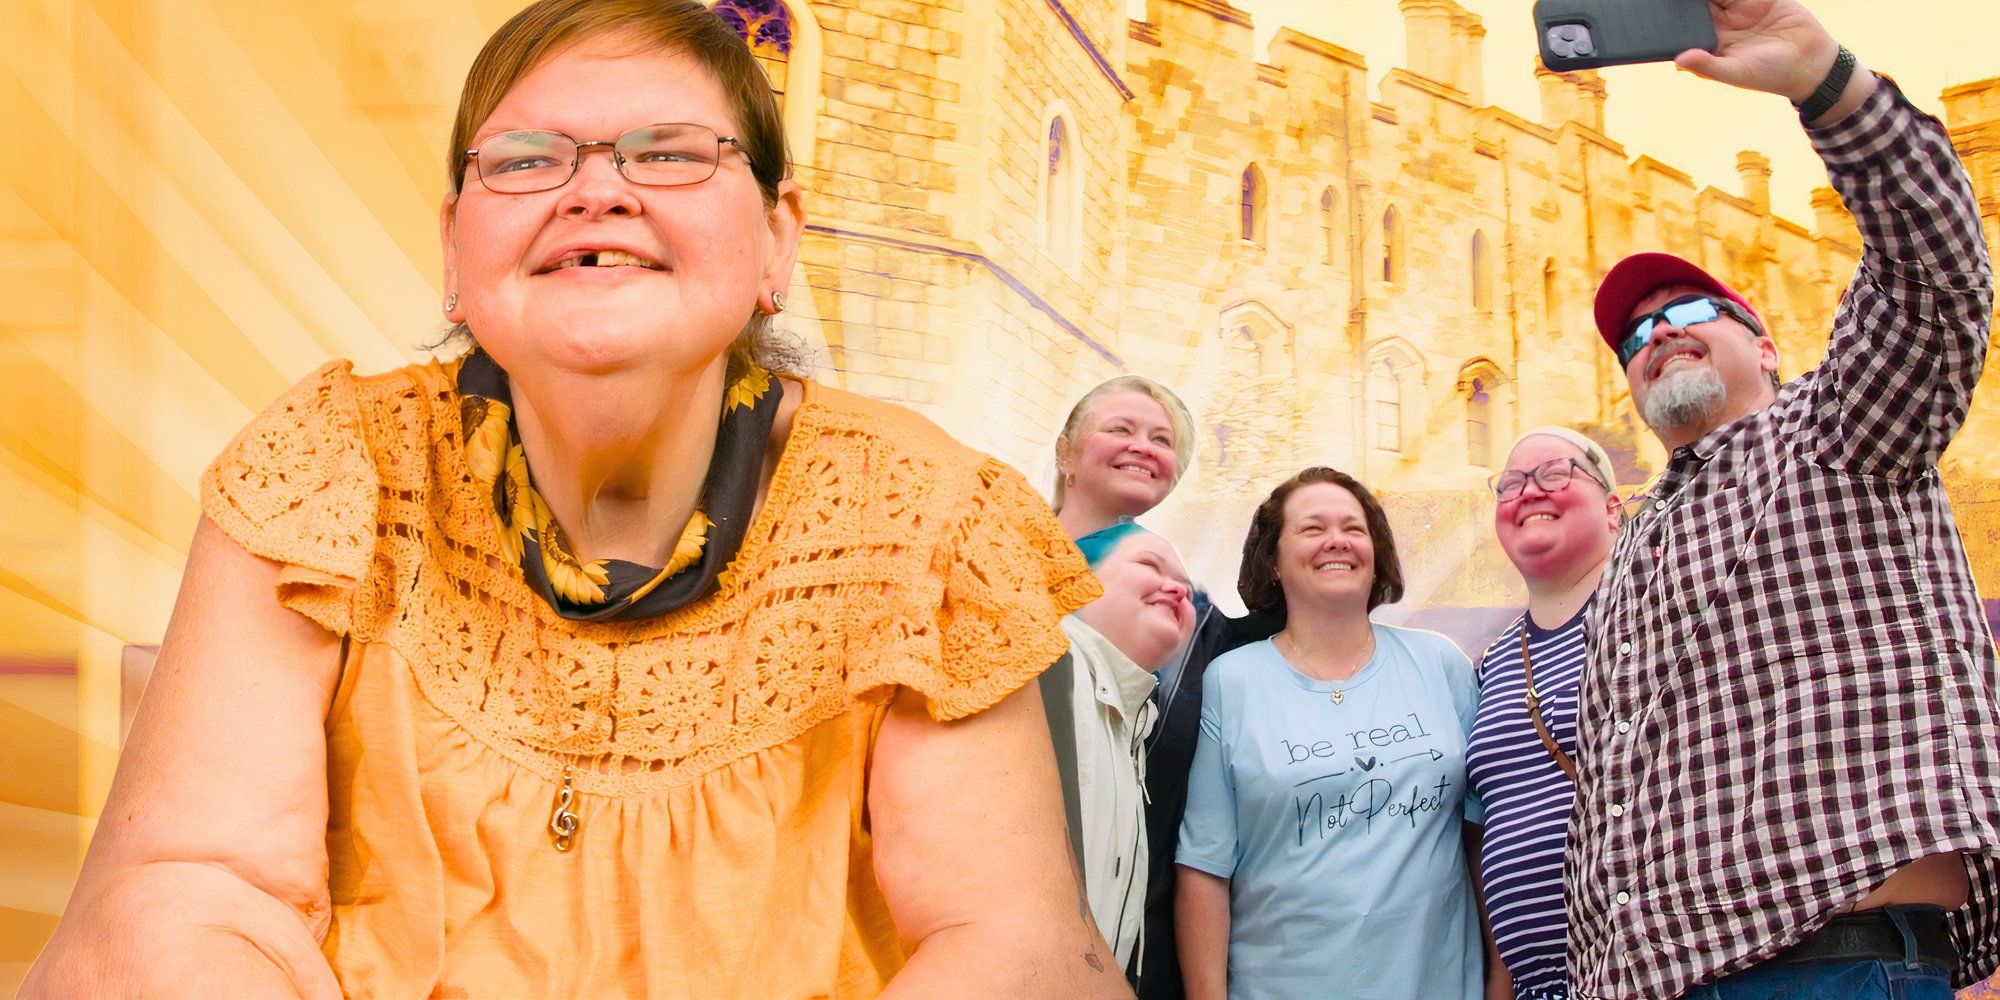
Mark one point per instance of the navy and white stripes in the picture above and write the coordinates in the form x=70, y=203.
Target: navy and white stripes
x=1527, y=798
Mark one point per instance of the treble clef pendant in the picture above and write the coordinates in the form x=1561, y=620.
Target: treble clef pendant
x=562, y=822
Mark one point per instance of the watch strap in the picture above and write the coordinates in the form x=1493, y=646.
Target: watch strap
x=1828, y=93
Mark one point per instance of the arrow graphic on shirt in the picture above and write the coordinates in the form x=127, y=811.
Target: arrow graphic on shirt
x=1370, y=765
x=1322, y=777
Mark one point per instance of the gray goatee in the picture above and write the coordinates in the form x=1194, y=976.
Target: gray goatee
x=1684, y=398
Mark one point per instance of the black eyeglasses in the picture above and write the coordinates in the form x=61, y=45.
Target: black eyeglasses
x=1681, y=313
x=1552, y=476
x=669, y=155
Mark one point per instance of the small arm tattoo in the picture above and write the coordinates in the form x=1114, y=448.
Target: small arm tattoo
x=1083, y=906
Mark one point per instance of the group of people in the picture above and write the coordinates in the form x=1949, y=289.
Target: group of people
x=614, y=656
x=1325, y=807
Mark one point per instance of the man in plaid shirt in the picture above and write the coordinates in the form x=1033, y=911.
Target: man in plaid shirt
x=1788, y=738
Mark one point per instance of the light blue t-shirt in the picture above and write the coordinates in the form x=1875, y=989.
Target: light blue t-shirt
x=1338, y=825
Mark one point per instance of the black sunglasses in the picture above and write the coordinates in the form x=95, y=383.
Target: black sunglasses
x=1681, y=313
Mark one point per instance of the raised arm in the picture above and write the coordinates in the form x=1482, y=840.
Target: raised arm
x=1910, y=335
x=972, y=857
x=1911, y=332
x=207, y=873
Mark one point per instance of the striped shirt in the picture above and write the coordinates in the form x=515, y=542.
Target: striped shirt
x=1792, y=691
x=1527, y=798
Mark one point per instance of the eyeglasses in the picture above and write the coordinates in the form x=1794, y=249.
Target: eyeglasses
x=1552, y=476
x=1681, y=313
x=669, y=155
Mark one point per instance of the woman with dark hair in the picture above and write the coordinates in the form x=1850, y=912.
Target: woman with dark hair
x=1322, y=850
x=609, y=658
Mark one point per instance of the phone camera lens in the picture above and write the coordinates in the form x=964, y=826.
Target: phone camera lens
x=1570, y=41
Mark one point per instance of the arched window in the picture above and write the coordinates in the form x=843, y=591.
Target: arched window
x=1551, y=294
x=1252, y=330
x=1253, y=200
x=1059, y=208
x=1385, y=405
x=787, y=42
x=1329, y=225
x=1482, y=273
x=1479, y=425
x=1392, y=246
x=767, y=26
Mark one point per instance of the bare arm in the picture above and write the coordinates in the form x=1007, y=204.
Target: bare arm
x=968, y=832
x=1201, y=922
x=207, y=873
x=1499, y=982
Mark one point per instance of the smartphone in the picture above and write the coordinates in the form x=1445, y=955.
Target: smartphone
x=1586, y=34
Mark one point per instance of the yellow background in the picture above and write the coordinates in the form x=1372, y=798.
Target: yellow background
x=202, y=200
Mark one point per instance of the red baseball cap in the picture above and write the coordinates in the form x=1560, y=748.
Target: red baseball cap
x=1641, y=275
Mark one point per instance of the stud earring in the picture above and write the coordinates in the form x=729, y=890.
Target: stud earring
x=451, y=302
x=777, y=302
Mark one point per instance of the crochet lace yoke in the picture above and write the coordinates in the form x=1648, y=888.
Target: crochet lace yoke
x=880, y=557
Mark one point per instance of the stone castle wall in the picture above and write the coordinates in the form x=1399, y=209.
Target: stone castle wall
x=948, y=272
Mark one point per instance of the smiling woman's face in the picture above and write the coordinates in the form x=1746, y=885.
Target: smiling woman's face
x=1555, y=535
x=1146, y=609
x=708, y=252
x=1124, y=455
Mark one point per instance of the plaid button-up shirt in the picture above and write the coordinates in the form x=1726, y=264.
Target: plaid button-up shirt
x=1791, y=691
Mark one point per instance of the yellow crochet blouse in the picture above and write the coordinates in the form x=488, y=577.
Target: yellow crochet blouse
x=724, y=849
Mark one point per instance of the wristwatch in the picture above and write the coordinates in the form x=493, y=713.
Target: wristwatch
x=1828, y=94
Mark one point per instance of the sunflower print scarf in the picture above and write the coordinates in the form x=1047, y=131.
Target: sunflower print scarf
x=614, y=589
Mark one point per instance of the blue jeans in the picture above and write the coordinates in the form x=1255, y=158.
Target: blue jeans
x=1839, y=979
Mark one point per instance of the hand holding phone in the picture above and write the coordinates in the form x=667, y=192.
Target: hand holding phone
x=1586, y=34
x=1773, y=46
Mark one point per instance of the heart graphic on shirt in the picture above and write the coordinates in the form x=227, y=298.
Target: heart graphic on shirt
x=1367, y=763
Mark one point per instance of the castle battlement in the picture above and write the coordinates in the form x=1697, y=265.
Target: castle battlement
x=1446, y=42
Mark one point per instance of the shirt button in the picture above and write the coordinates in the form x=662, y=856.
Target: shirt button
x=1624, y=647
x=1622, y=898
x=1656, y=551
x=1616, y=810
x=1624, y=726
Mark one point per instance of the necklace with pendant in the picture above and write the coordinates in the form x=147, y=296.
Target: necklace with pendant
x=1337, y=695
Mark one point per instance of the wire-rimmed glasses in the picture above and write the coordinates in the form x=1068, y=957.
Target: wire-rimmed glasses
x=671, y=154
x=1552, y=476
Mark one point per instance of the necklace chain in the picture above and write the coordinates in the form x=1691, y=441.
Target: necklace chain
x=1337, y=695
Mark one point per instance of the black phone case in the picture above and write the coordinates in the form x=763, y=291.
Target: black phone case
x=1626, y=31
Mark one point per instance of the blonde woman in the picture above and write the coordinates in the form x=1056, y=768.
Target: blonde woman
x=1123, y=448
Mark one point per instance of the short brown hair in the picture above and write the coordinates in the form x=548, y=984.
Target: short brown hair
x=1257, y=580
x=681, y=26
x=686, y=27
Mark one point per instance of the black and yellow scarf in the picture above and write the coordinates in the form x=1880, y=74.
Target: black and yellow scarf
x=613, y=589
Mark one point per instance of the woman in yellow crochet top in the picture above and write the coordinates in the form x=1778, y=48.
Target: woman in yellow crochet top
x=604, y=660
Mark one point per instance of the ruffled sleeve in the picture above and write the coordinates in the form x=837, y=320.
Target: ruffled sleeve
x=298, y=487
x=1009, y=574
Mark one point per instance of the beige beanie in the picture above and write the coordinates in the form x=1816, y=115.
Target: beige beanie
x=1593, y=456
